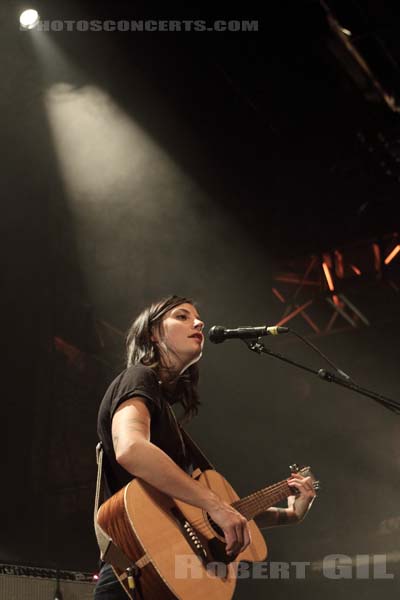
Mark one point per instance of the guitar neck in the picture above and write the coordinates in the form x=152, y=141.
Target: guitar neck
x=260, y=501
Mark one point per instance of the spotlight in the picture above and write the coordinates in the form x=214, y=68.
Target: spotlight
x=346, y=31
x=29, y=18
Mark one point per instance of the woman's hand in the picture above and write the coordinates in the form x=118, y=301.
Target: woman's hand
x=233, y=524
x=298, y=506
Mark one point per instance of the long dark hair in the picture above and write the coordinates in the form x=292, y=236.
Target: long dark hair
x=140, y=348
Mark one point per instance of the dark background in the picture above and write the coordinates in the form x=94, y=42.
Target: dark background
x=135, y=165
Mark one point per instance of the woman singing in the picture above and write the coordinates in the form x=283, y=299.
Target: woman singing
x=141, y=437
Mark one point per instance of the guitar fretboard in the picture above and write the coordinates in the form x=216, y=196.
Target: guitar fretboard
x=260, y=501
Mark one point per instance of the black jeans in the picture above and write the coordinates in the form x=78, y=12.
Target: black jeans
x=108, y=587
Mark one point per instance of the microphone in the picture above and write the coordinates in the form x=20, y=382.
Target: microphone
x=218, y=334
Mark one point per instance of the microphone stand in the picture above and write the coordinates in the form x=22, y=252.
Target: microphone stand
x=259, y=348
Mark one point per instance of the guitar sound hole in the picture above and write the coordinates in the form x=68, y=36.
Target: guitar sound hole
x=215, y=527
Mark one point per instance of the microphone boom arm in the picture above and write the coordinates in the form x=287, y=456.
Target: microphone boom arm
x=259, y=348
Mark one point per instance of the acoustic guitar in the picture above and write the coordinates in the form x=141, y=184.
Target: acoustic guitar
x=177, y=548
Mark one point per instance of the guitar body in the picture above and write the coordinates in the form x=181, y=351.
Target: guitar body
x=180, y=552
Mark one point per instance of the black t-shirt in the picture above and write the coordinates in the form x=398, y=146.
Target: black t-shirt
x=138, y=381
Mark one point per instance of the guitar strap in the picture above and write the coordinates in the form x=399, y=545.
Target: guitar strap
x=109, y=552
x=200, y=460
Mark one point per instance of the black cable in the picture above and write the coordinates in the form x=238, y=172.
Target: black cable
x=318, y=351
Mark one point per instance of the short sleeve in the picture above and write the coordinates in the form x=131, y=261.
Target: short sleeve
x=137, y=381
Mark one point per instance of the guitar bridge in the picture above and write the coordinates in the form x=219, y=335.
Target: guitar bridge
x=190, y=535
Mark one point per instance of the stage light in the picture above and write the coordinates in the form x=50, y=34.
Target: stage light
x=346, y=31
x=393, y=253
x=329, y=280
x=328, y=276
x=377, y=257
x=29, y=18
x=278, y=295
x=355, y=269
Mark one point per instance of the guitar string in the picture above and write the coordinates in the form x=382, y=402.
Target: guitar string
x=257, y=501
x=261, y=494
x=252, y=508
